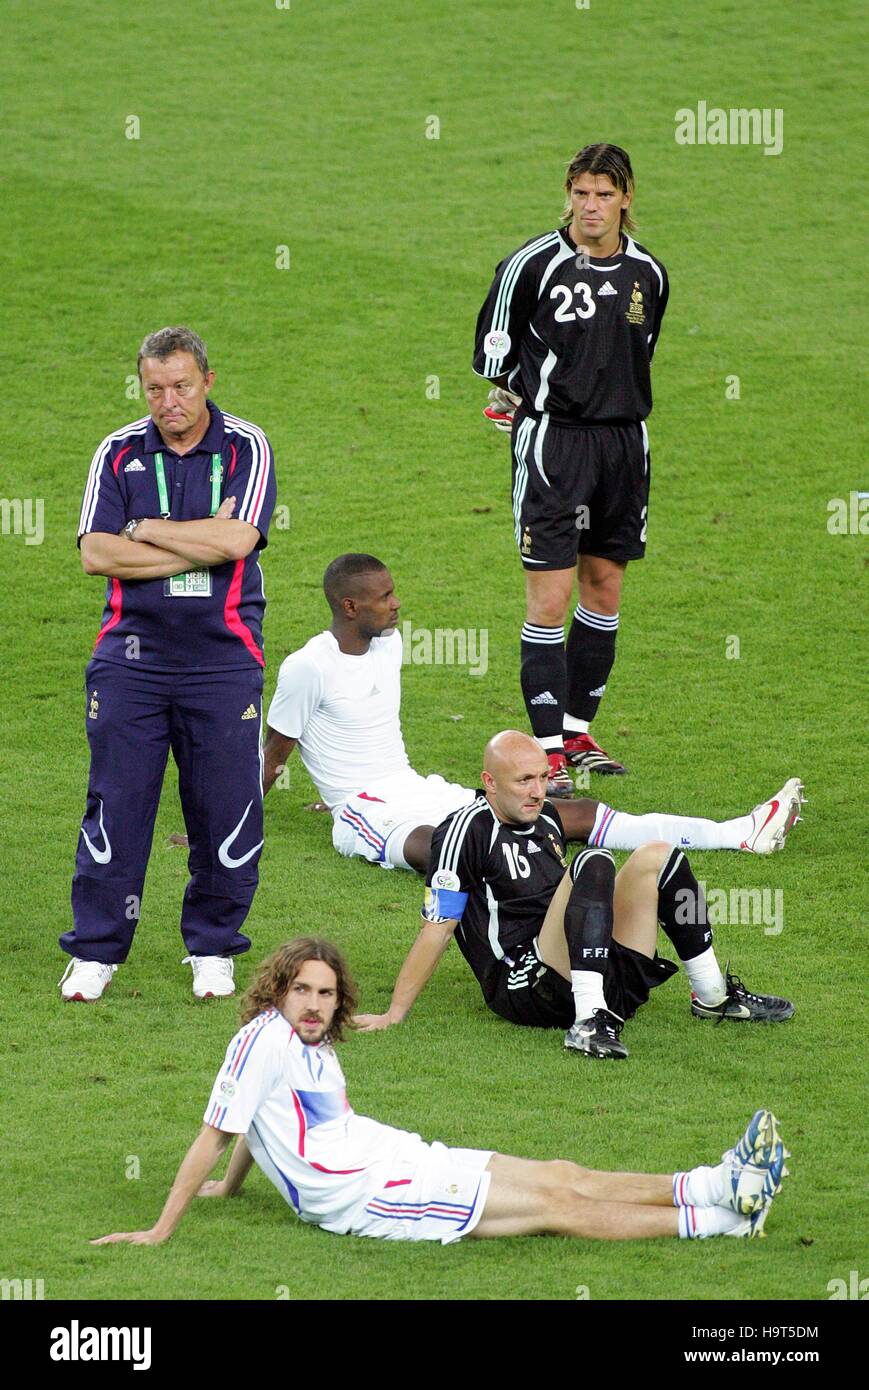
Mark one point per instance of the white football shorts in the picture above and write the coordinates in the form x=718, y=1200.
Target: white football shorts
x=438, y=1197
x=376, y=823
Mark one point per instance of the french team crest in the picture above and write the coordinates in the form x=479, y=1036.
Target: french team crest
x=636, y=309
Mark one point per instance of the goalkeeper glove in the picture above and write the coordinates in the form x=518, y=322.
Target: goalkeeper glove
x=501, y=408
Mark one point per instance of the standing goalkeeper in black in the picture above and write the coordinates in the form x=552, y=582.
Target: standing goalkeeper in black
x=569, y=327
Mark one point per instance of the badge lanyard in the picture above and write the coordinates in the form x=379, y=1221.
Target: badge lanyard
x=216, y=474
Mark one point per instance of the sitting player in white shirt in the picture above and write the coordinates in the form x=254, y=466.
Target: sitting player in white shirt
x=281, y=1090
x=339, y=699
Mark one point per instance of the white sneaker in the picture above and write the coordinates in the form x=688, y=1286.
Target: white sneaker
x=771, y=820
x=212, y=976
x=85, y=981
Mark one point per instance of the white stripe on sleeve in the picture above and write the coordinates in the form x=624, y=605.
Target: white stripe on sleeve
x=255, y=492
x=95, y=472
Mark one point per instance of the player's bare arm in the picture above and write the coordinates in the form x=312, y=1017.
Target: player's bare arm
x=277, y=749
x=198, y=1162
x=240, y=1163
x=422, y=961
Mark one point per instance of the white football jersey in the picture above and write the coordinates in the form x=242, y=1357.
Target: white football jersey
x=290, y=1102
x=344, y=712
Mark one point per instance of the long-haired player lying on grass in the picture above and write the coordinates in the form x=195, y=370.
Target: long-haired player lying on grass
x=281, y=1091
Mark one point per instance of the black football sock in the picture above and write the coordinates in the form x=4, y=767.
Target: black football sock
x=682, y=907
x=588, y=928
x=591, y=651
x=543, y=683
x=682, y=914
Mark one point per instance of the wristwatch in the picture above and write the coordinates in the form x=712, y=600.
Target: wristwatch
x=130, y=528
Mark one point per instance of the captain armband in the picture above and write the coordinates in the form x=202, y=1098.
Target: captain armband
x=443, y=904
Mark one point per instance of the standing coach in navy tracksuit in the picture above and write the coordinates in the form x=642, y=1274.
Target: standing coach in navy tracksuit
x=175, y=511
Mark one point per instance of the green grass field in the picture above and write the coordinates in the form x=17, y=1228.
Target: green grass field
x=306, y=128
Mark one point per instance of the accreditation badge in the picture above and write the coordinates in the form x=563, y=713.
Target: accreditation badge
x=191, y=584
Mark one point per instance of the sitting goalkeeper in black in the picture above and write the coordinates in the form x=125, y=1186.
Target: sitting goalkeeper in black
x=559, y=947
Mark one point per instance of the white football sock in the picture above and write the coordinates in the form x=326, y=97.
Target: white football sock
x=705, y=977
x=619, y=830
x=697, y=1223
x=575, y=726
x=700, y=1187
x=587, y=986
x=553, y=743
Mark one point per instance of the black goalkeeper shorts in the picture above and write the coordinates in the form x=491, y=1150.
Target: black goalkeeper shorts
x=578, y=490
x=533, y=994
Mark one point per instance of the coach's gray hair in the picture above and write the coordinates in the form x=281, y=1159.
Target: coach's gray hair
x=167, y=341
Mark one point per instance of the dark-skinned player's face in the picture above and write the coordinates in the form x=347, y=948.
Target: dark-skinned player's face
x=517, y=789
x=376, y=604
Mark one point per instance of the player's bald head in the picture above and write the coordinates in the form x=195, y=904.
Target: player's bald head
x=515, y=776
x=346, y=577
x=508, y=749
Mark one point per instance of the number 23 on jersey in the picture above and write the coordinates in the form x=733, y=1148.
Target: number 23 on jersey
x=575, y=304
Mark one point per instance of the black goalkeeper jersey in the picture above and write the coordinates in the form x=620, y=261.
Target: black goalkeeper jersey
x=575, y=341
x=496, y=880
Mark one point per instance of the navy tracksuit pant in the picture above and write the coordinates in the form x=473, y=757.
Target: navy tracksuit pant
x=211, y=721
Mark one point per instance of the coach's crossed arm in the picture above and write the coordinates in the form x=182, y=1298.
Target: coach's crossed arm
x=208, y=541
x=117, y=558
x=160, y=549
x=421, y=963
